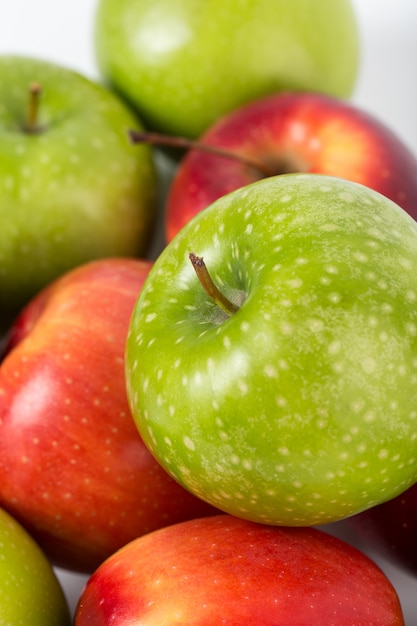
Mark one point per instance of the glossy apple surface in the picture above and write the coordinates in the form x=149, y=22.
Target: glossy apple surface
x=293, y=132
x=182, y=64
x=223, y=570
x=30, y=592
x=299, y=408
x=73, y=468
x=391, y=529
x=72, y=187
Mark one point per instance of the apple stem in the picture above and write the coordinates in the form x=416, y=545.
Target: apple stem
x=35, y=91
x=184, y=143
x=207, y=282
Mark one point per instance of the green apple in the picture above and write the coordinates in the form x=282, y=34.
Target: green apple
x=183, y=63
x=72, y=187
x=30, y=592
x=296, y=402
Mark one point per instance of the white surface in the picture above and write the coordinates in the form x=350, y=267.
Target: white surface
x=387, y=88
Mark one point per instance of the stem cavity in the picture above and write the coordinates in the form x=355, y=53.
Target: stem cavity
x=211, y=289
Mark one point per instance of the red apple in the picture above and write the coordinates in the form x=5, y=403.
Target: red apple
x=73, y=468
x=293, y=132
x=390, y=529
x=224, y=570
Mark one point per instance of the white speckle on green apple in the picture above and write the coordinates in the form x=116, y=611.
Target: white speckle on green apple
x=303, y=400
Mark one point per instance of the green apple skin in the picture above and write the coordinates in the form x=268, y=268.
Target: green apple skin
x=73, y=191
x=300, y=408
x=182, y=64
x=30, y=592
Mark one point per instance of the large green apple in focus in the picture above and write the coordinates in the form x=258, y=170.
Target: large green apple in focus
x=30, y=592
x=299, y=408
x=72, y=187
x=182, y=64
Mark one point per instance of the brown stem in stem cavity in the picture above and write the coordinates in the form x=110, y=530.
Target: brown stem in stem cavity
x=35, y=92
x=183, y=143
x=211, y=289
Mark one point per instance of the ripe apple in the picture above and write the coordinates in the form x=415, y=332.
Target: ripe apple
x=293, y=132
x=72, y=186
x=290, y=396
x=73, y=468
x=30, y=592
x=390, y=529
x=224, y=570
x=183, y=64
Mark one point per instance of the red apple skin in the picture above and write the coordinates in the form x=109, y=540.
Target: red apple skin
x=293, y=132
x=73, y=468
x=225, y=570
x=390, y=529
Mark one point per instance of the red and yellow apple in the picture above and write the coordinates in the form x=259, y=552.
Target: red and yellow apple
x=293, y=132
x=223, y=570
x=73, y=468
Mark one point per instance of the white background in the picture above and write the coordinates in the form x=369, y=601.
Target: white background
x=387, y=87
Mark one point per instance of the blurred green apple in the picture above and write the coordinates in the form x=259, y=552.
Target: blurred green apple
x=72, y=187
x=30, y=592
x=183, y=63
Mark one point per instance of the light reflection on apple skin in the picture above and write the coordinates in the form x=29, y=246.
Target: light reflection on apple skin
x=36, y=393
x=162, y=37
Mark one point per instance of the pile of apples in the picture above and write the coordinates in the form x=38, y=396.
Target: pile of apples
x=185, y=397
